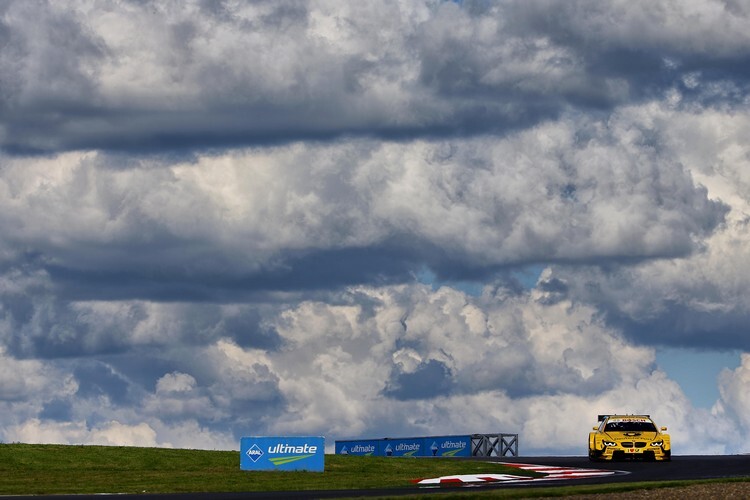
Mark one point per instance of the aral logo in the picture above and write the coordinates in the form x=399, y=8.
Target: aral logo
x=254, y=453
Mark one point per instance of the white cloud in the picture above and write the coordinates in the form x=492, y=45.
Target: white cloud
x=250, y=213
x=735, y=401
x=175, y=382
x=510, y=361
x=186, y=266
x=110, y=433
x=679, y=301
x=682, y=29
x=185, y=73
x=114, y=433
x=19, y=378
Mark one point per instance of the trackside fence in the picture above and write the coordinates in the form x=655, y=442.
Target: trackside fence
x=477, y=445
x=494, y=445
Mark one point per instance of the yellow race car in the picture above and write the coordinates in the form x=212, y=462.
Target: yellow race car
x=628, y=436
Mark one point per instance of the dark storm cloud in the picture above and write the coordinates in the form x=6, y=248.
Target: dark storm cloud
x=294, y=79
x=430, y=379
x=55, y=329
x=680, y=325
x=313, y=217
x=98, y=379
x=49, y=328
x=59, y=410
x=677, y=322
x=692, y=304
x=294, y=271
x=552, y=291
x=48, y=59
x=144, y=366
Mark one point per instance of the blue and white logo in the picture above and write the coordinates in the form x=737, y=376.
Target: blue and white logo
x=254, y=453
x=282, y=453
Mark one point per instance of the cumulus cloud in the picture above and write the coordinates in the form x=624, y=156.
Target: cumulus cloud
x=235, y=74
x=215, y=217
x=19, y=378
x=700, y=301
x=256, y=220
x=112, y=434
x=734, y=401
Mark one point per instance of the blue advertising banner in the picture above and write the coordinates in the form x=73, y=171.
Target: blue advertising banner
x=283, y=453
x=369, y=447
x=447, y=446
x=431, y=446
x=410, y=447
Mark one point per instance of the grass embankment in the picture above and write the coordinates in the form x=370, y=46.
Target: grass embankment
x=48, y=469
x=56, y=469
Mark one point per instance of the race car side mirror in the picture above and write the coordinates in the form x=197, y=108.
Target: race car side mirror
x=595, y=428
x=664, y=428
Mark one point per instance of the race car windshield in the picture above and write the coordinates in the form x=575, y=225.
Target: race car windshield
x=630, y=426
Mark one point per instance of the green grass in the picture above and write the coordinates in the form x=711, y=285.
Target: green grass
x=50, y=469
x=57, y=469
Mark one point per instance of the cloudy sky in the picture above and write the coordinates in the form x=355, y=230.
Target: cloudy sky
x=374, y=219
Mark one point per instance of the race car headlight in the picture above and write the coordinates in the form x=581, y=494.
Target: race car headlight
x=609, y=443
x=657, y=443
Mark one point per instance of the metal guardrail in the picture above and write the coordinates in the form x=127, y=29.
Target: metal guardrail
x=494, y=445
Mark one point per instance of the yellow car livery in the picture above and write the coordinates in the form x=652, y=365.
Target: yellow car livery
x=628, y=436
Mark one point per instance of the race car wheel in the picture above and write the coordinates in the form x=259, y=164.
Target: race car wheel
x=595, y=455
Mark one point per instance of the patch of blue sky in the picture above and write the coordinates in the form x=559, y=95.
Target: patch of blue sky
x=697, y=371
x=527, y=276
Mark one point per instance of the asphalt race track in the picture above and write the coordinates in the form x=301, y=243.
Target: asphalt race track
x=680, y=468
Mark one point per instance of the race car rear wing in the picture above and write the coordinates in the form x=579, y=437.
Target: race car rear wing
x=602, y=417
